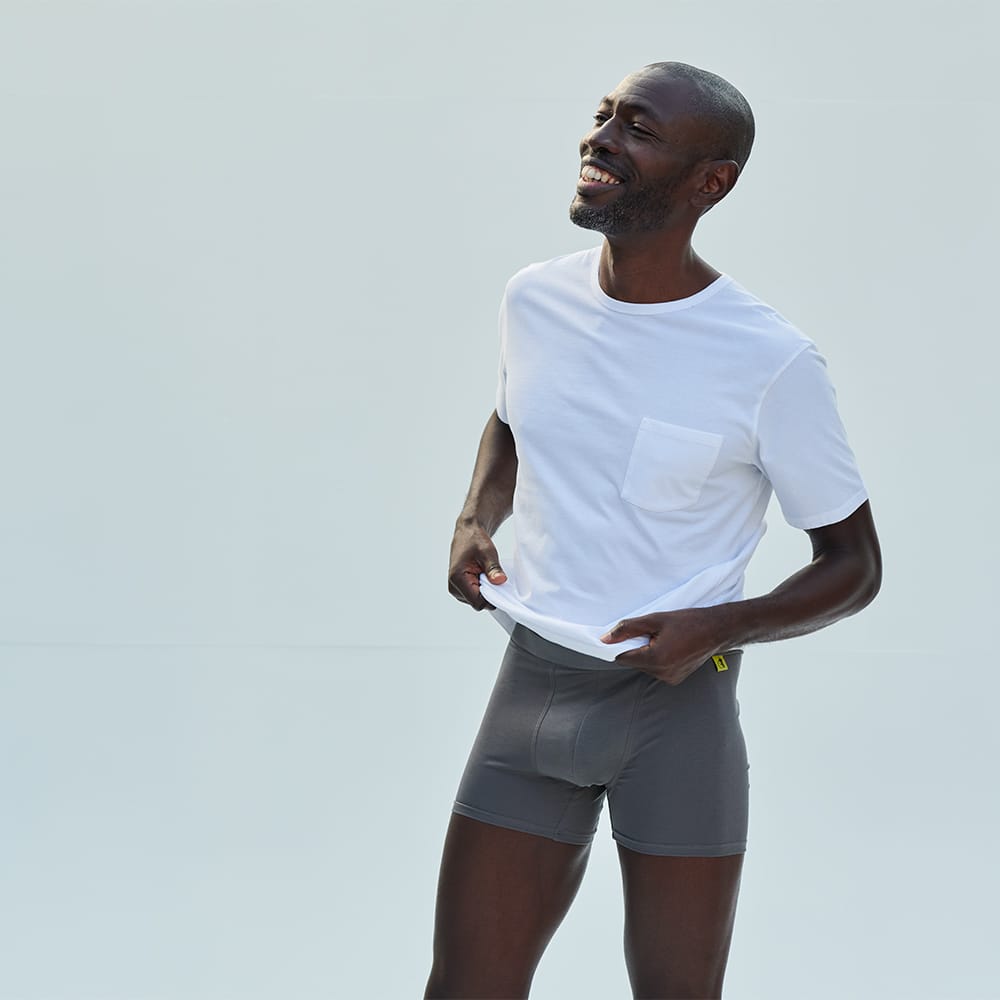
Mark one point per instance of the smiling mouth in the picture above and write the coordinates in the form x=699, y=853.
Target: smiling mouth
x=593, y=174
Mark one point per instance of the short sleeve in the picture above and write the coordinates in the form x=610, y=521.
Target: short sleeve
x=501, y=400
x=802, y=446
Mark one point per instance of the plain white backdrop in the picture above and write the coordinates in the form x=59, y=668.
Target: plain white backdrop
x=252, y=258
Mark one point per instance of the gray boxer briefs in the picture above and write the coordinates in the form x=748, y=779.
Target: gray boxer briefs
x=562, y=730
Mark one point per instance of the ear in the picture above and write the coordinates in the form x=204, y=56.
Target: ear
x=717, y=180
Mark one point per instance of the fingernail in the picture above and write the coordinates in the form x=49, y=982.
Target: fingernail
x=605, y=637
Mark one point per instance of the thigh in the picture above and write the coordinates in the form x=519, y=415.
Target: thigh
x=679, y=917
x=683, y=788
x=501, y=895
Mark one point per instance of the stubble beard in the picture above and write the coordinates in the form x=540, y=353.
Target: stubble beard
x=638, y=210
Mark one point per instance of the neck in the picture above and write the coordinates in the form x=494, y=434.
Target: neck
x=654, y=267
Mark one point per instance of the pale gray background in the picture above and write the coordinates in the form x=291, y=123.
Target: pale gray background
x=252, y=257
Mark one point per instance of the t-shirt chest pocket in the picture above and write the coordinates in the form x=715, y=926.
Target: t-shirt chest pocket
x=668, y=465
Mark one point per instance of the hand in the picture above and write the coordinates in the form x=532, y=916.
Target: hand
x=472, y=553
x=679, y=641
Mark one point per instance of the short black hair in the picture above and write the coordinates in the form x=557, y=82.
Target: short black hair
x=719, y=101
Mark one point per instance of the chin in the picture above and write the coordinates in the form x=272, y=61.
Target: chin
x=589, y=218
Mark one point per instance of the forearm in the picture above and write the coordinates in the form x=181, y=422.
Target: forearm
x=491, y=495
x=833, y=586
x=845, y=574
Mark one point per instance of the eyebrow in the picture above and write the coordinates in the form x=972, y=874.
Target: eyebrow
x=640, y=106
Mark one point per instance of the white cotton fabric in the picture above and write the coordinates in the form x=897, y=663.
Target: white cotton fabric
x=649, y=438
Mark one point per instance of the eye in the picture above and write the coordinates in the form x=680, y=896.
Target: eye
x=600, y=118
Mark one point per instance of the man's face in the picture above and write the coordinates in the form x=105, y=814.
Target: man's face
x=637, y=160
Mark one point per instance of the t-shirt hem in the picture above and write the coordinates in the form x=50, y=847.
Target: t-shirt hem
x=830, y=516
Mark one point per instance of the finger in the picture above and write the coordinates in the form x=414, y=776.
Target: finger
x=478, y=602
x=628, y=628
x=638, y=657
x=483, y=603
x=457, y=592
x=464, y=586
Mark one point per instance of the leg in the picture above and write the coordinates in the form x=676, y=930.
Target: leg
x=679, y=915
x=501, y=896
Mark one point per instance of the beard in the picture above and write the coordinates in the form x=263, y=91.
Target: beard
x=636, y=210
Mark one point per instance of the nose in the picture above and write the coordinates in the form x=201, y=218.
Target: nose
x=603, y=136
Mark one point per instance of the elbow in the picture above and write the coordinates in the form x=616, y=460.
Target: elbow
x=869, y=581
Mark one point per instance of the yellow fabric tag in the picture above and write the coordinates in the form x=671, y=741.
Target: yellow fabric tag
x=720, y=663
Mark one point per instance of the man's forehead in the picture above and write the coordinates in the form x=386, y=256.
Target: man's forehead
x=653, y=91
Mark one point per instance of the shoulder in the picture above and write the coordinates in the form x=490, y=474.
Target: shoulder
x=760, y=318
x=766, y=335
x=570, y=267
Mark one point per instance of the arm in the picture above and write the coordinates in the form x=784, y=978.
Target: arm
x=844, y=576
x=489, y=503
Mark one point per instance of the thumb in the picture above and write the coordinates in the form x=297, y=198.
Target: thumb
x=494, y=572
x=628, y=628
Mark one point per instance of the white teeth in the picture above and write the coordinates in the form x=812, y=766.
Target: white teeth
x=594, y=174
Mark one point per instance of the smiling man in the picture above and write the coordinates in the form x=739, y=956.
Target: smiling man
x=647, y=407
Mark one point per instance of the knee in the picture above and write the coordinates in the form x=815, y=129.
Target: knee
x=657, y=977
x=668, y=986
x=460, y=984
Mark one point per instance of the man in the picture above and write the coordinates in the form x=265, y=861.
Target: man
x=647, y=407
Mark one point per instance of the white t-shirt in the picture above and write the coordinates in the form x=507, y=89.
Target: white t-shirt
x=649, y=437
